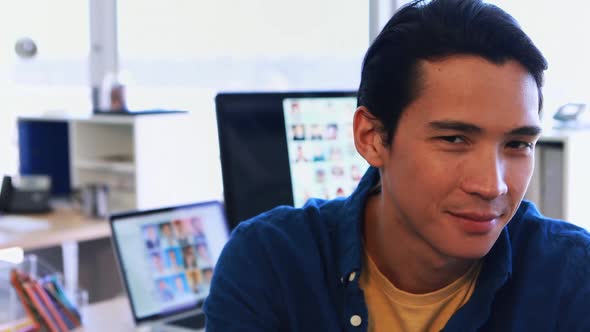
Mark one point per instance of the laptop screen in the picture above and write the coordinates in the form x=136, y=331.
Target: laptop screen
x=167, y=256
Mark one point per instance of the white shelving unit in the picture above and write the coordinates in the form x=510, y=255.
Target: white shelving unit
x=561, y=181
x=147, y=161
x=121, y=167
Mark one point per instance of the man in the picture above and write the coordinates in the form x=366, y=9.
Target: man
x=194, y=278
x=203, y=257
x=164, y=290
x=436, y=236
x=198, y=230
x=173, y=260
x=152, y=241
x=182, y=232
x=189, y=258
x=157, y=263
x=168, y=237
x=179, y=283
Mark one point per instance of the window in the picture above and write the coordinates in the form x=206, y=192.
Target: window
x=231, y=44
x=55, y=79
x=560, y=31
x=180, y=53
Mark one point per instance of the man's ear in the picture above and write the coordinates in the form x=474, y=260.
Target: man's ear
x=367, y=137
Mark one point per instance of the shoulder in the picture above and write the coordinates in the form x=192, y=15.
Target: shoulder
x=277, y=244
x=285, y=251
x=530, y=223
x=554, y=243
x=316, y=218
x=305, y=237
x=553, y=257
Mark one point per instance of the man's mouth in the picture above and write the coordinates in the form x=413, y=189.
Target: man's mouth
x=476, y=222
x=477, y=215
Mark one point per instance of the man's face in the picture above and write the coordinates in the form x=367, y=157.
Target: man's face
x=178, y=226
x=166, y=230
x=462, y=156
x=197, y=225
x=157, y=262
x=151, y=231
x=172, y=256
x=202, y=251
x=179, y=284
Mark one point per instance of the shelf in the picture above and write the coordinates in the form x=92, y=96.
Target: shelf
x=120, y=200
x=108, y=166
x=123, y=153
x=124, y=119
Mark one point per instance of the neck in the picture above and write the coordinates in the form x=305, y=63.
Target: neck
x=403, y=257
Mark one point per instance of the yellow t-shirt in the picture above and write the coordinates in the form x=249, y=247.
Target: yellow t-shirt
x=391, y=309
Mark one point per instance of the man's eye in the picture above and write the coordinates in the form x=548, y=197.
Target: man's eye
x=453, y=139
x=520, y=145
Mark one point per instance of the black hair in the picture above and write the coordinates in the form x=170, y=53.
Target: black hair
x=390, y=78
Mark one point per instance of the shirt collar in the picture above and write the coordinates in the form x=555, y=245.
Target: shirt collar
x=495, y=272
x=497, y=264
x=350, y=224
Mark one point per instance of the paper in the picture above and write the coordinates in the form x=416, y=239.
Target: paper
x=21, y=224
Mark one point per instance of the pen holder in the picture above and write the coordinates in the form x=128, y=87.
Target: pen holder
x=11, y=310
x=39, y=285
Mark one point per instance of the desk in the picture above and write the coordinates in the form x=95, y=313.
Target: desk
x=66, y=227
x=113, y=315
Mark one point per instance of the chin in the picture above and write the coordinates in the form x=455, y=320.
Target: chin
x=469, y=243
x=472, y=254
x=471, y=249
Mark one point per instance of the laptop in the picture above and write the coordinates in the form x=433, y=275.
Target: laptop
x=166, y=258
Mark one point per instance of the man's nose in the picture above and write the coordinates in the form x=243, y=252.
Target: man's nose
x=485, y=177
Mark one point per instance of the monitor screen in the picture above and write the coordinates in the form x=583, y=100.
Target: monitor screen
x=283, y=148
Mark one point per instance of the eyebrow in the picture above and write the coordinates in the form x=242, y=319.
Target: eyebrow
x=455, y=125
x=471, y=128
x=525, y=131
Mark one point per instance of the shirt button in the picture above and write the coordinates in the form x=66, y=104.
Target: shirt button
x=351, y=276
x=356, y=320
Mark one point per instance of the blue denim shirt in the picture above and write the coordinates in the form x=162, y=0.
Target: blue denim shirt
x=291, y=270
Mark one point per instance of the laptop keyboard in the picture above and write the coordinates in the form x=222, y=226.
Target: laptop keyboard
x=196, y=321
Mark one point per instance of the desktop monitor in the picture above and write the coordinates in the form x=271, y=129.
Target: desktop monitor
x=283, y=148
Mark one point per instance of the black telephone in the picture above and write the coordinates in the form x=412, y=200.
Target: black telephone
x=25, y=194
